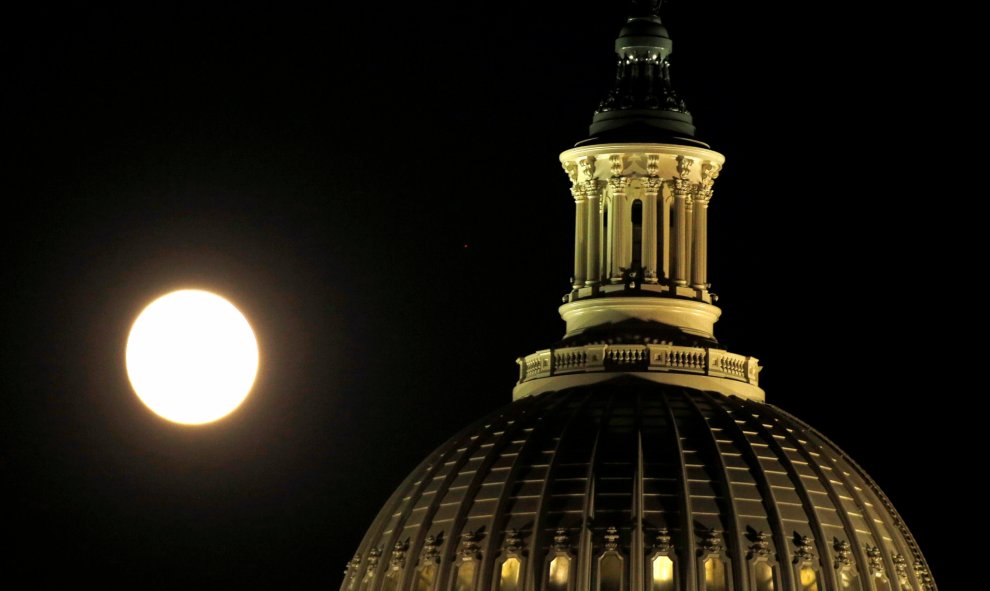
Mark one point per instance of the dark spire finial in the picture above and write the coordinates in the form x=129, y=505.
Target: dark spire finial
x=642, y=105
x=645, y=8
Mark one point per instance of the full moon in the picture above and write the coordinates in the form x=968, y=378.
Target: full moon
x=191, y=357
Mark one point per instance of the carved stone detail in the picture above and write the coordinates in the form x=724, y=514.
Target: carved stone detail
x=373, y=555
x=431, y=551
x=653, y=164
x=353, y=566
x=900, y=566
x=512, y=543
x=572, y=171
x=804, y=550
x=713, y=542
x=611, y=539
x=684, y=167
x=761, y=546
x=662, y=543
x=587, y=166
x=843, y=554
x=470, y=549
x=874, y=560
x=617, y=164
x=561, y=541
x=398, y=559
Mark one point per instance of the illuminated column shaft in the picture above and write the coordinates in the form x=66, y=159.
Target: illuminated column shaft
x=664, y=246
x=617, y=221
x=682, y=193
x=699, y=274
x=580, y=233
x=593, y=209
x=680, y=232
x=689, y=235
x=649, y=241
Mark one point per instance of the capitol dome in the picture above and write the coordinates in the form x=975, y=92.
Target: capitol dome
x=638, y=455
x=631, y=484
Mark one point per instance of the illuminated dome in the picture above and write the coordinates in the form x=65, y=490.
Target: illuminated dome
x=631, y=484
x=638, y=454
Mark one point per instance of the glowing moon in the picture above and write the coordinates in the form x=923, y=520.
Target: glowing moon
x=191, y=357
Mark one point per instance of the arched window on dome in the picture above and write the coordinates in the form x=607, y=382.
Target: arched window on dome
x=762, y=566
x=429, y=561
x=509, y=568
x=714, y=567
x=848, y=579
x=561, y=564
x=661, y=565
x=806, y=567
x=611, y=565
x=466, y=565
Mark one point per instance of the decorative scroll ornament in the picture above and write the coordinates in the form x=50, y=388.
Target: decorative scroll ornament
x=761, y=546
x=709, y=172
x=923, y=576
x=900, y=567
x=587, y=166
x=682, y=184
x=875, y=560
x=470, y=549
x=373, y=555
x=843, y=554
x=713, y=542
x=353, y=566
x=431, y=551
x=617, y=164
x=653, y=164
x=804, y=550
x=611, y=539
x=398, y=559
x=561, y=541
x=662, y=543
x=572, y=171
x=512, y=543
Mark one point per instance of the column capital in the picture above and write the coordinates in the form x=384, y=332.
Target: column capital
x=652, y=184
x=579, y=191
x=618, y=183
x=571, y=169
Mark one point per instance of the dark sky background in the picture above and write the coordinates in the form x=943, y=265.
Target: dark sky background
x=378, y=190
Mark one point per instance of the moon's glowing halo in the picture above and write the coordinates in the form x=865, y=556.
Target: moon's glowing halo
x=192, y=357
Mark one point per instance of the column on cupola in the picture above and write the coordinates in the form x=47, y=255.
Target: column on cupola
x=580, y=226
x=651, y=192
x=618, y=219
x=699, y=271
x=682, y=196
x=592, y=207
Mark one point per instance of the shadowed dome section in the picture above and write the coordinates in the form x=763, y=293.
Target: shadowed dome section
x=631, y=484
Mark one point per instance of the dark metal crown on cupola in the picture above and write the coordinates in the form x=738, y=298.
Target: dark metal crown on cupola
x=642, y=105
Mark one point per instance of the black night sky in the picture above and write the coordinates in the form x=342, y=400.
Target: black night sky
x=378, y=190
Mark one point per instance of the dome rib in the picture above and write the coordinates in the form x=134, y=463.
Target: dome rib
x=733, y=533
x=499, y=518
x=687, y=563
x=808, y=505
x=539, y=538
x=769, y=498
x=646, y=459
x=868, y=516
